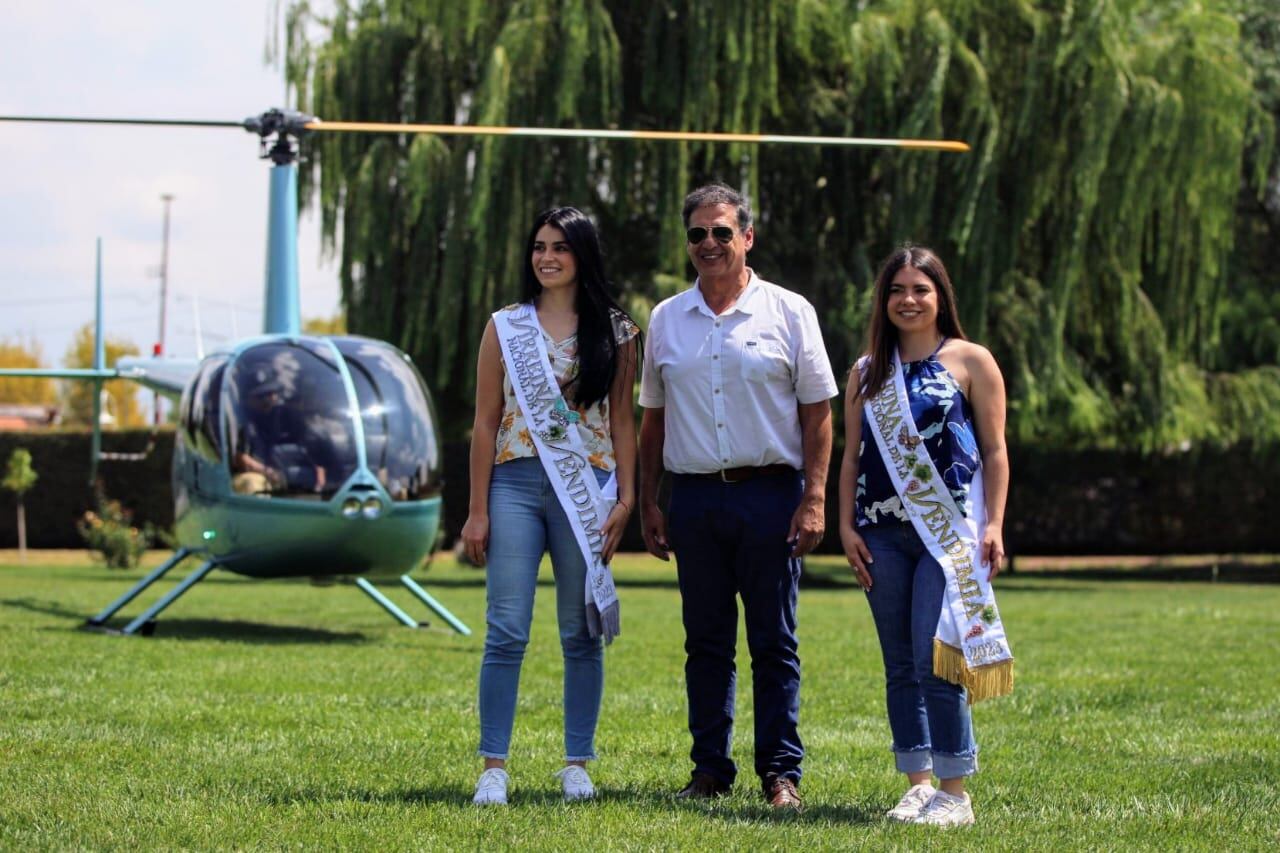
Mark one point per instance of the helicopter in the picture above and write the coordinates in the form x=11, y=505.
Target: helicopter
x=295, y=455
x=304, y=455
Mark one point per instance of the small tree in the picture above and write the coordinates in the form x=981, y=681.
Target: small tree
x=19, y=477
x=77, y=398
x=32, y=390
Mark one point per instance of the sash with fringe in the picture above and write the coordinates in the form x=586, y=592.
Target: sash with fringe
x=563, y=456
x=969, y=646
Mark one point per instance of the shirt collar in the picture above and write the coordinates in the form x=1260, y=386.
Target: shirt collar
x=695, y=302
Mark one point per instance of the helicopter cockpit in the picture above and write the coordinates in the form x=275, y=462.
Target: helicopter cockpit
x=279, y=414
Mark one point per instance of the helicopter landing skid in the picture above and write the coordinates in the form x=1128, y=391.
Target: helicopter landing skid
x=440, y=610
x=404, y=618
x=387, y=604
x=99, y=622
x=145, y=624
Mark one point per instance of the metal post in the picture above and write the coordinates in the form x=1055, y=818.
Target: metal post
x=167, y=198
x=425, y=597
x=372, y=592
x=159, y=572
x=99, y=360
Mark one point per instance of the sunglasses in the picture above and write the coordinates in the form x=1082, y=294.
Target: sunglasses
x=722, y=233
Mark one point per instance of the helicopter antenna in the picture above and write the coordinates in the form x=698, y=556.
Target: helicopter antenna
x=195, y=314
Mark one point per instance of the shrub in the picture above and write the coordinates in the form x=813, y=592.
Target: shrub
x=109, y=532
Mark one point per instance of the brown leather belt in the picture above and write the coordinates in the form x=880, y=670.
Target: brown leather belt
x=746, y=472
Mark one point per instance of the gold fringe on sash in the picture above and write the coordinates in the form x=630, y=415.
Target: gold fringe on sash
x=984, y=682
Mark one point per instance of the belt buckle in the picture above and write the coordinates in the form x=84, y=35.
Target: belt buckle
x=724, y=478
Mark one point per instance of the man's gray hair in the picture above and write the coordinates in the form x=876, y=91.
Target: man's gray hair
x=718, y=194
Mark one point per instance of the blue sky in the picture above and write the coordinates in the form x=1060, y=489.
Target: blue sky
x=63, y=186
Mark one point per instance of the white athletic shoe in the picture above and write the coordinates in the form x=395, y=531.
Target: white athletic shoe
x=576, y=783
x=491, y=790
x=945, y=810
x=911, y=803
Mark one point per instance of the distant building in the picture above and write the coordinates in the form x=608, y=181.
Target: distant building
x=20, y=417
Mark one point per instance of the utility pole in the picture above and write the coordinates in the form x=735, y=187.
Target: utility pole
x=167, y=198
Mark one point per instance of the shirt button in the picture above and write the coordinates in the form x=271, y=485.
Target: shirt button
x=715, y=358
x=720, y=426
x=717, y=390
x=717, y=322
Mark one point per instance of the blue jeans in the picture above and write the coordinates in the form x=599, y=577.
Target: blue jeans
x=730, y=539
x=525, y=521
x=929, y=717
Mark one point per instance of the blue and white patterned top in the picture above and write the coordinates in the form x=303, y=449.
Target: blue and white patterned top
x=944, y=420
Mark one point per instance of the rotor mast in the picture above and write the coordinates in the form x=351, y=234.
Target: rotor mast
x=278, y=132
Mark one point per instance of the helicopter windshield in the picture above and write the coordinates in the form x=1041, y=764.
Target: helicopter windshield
x=289, y=430
x=399, y=422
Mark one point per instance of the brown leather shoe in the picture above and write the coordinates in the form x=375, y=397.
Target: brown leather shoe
x=781, y=793
x=703, y=786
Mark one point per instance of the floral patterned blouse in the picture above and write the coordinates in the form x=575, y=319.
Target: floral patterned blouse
x=514, y=441
x=944, y=420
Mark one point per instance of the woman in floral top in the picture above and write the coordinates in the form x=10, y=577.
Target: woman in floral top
x=957, y=402
x=514, y=514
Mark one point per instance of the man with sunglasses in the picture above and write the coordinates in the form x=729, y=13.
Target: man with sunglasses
x=736, y=389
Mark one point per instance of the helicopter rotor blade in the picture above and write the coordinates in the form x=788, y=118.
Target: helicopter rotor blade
x=296, y=123
x=136, y=121
x=658, y=135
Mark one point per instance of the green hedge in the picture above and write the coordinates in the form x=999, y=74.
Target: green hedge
x=62, y=494
x=1206, y=500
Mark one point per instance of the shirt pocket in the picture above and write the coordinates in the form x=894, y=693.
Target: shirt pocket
x=763, y=361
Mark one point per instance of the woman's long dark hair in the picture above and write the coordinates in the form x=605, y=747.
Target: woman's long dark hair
x=882, y=335
x=597, y=344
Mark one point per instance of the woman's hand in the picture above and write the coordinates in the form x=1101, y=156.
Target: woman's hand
x=858, y=555
x=613, y=528
x=992, y=550
x=475, y=537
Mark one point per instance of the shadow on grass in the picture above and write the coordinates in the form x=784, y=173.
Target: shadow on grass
x=758, y=812
x=48, y=608
x=231, y=630
x=732, y=809
x=240, y=631
x=1234, y=573
x=1026, y=583
x=1217, y=573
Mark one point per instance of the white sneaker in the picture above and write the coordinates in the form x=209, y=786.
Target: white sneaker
x=491, y=790
x=911, y=803
x=576, y=783
x=943, y=809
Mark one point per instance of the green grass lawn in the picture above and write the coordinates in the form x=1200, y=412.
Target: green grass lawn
x=274, y=714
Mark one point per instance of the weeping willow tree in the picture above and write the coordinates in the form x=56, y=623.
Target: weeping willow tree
x=1089, y=231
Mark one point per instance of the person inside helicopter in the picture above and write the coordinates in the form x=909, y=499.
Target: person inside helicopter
x=275, y=451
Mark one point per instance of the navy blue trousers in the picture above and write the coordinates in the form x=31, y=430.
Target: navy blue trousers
x=730, y=540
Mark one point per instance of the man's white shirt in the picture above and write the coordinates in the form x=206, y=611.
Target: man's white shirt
x=730, y=384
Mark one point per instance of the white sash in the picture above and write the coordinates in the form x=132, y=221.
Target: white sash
x=563, y=456
x=969, y=647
